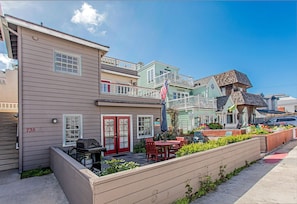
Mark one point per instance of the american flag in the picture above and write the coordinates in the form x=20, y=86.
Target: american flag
x=164, y=90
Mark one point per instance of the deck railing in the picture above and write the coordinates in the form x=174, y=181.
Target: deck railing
x=7, y=107
x=120, y=63
x=193, y=102
x=174, y=79
x=128, y=90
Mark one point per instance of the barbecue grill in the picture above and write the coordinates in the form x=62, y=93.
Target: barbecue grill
x=88, y=152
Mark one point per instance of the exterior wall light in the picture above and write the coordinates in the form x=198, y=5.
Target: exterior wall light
x=54, y=120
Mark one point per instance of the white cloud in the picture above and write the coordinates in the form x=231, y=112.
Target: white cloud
x=103, y=33
x=5, y=62
x=89, y=17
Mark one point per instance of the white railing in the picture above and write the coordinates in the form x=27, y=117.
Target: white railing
x=120, y=63
x=176, y=79
x=6, y=106
x=193, y=102
x=128, y=90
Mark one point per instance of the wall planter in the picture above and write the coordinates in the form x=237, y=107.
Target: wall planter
x=162, y=182
x=222, y=132
x=269, y=142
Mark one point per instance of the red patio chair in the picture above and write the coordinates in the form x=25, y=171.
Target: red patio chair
x=174, y=148
x=152, y=152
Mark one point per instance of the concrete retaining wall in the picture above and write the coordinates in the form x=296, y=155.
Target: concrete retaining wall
x=162, y=182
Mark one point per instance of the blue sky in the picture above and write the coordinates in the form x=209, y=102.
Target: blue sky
x=202, y=38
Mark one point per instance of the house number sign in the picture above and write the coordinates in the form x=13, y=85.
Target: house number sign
x=30, y=130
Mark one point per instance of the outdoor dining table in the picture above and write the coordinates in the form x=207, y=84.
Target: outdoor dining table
x=166, y=146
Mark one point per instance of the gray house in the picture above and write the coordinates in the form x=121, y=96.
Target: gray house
x=61, y=97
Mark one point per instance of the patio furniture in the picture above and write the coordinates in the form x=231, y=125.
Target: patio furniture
x=150, y=139
x=153, y=152
x=174, y=148
x=88, y=152
x=166, y=145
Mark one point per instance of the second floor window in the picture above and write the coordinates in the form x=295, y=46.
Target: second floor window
x=105, y=86
x=150, y=76
x=67, y=63
x=177, y=95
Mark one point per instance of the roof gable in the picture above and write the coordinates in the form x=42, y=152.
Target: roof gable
x=244, y=98
x=9, y=32
x=232, y=77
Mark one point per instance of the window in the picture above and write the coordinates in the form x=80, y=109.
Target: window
x=150, y=76
x=145, y=126
x=72, y=128
x=123, y=89
x=105, y=86
x=177, y=95
x=67, y=63
x=230, y=118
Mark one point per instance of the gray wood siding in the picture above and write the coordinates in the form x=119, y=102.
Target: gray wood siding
x=9, y=155
x=48, y=94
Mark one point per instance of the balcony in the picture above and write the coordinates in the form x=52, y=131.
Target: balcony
x=199, y=102
x=120, y=63
x=128, y=90
x=175, y=80
x=8, y=107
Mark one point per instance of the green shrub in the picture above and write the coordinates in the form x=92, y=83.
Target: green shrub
x=117, y=165
x=199, y=147
x=139, y=147
x=36, y=172
x=215, y=126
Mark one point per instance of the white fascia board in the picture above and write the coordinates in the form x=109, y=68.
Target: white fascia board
x=6, y=36
x=121, y=74
x=55, y=33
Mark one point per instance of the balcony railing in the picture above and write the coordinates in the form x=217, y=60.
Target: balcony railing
x=174, y=79
x=6, y=107
x=128, y=90
x=120, y=63
x=193, y=102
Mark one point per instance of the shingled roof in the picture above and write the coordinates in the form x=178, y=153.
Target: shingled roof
x=243, y=98
x=232, y=77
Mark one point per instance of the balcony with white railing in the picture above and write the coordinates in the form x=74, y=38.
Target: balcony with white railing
x=175, y=80
x=128, y=90
x=8, y=107
x=120, y=63
x=193, y=102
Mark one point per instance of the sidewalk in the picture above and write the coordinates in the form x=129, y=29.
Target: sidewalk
x=35, y=190
x=271, y=180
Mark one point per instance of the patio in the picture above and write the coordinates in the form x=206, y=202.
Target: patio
x=159, y=182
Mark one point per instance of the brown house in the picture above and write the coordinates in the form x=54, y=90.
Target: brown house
x=234, y=84
x=66, y=94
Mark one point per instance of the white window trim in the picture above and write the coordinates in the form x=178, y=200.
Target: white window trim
x=68, y=54
x=149, y=75
x=152, y=126
x=64, y=128
x=106, y=83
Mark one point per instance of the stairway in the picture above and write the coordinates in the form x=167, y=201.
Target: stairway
x=9, y=155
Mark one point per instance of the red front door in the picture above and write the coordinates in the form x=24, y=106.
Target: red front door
x=116, y=134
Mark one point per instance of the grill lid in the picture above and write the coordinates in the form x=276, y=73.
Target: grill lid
x=87, y=143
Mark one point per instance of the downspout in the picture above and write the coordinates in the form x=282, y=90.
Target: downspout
x=20, y=99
